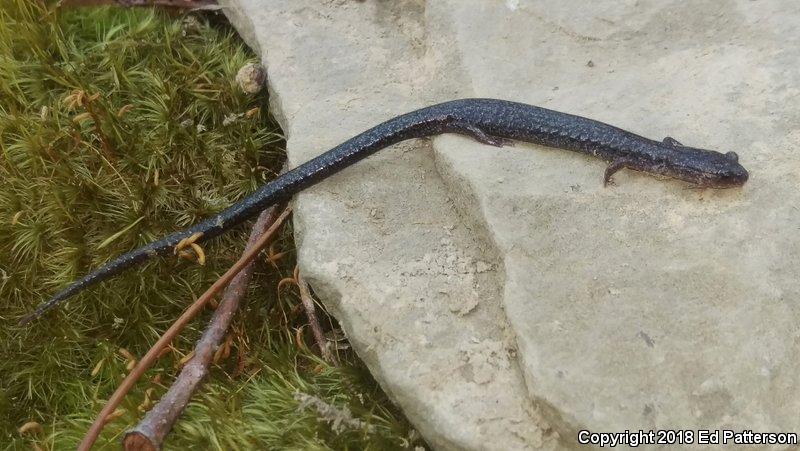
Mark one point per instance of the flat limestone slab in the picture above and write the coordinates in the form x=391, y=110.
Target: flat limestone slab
x=645, y=305
x=499, y=295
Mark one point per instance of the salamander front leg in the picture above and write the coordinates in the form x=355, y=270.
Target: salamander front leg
x=477, y=134
x=613, y=167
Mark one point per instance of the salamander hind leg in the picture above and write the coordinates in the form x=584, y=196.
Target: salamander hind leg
x=477, y=134
x=670, y=141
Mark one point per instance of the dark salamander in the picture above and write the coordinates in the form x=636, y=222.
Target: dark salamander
x=489, y=121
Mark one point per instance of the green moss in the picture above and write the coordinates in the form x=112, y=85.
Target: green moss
x=113, y=132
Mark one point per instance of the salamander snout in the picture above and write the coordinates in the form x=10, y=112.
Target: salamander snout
x=727, y=172
x=707, y=168
x=736, y=177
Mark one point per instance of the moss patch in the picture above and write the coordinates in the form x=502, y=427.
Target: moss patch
x=118, y=126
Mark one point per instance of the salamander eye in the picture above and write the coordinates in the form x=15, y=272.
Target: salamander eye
x=732, y=156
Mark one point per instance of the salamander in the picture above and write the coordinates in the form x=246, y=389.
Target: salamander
x=488, y=121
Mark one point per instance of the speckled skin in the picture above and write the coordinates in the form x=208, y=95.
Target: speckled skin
x=489, y=121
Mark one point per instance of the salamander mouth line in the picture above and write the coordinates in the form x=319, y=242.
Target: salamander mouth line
x=488, y=121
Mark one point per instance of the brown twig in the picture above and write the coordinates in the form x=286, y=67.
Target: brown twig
x=152, y=355
x=311, y=313
x=150, y=432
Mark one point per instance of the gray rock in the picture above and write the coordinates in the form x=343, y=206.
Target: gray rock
x=416, y=288
x=643, y=305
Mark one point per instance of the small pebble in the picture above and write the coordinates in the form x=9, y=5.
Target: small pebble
x=251, y=78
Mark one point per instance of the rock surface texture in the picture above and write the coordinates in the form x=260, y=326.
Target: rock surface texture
x=504, y=298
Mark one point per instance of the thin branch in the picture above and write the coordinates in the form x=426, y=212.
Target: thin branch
x=149, y=434
x=152, y=355
x=313, y=321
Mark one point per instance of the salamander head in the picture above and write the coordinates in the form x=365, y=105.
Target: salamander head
x=707, y=168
